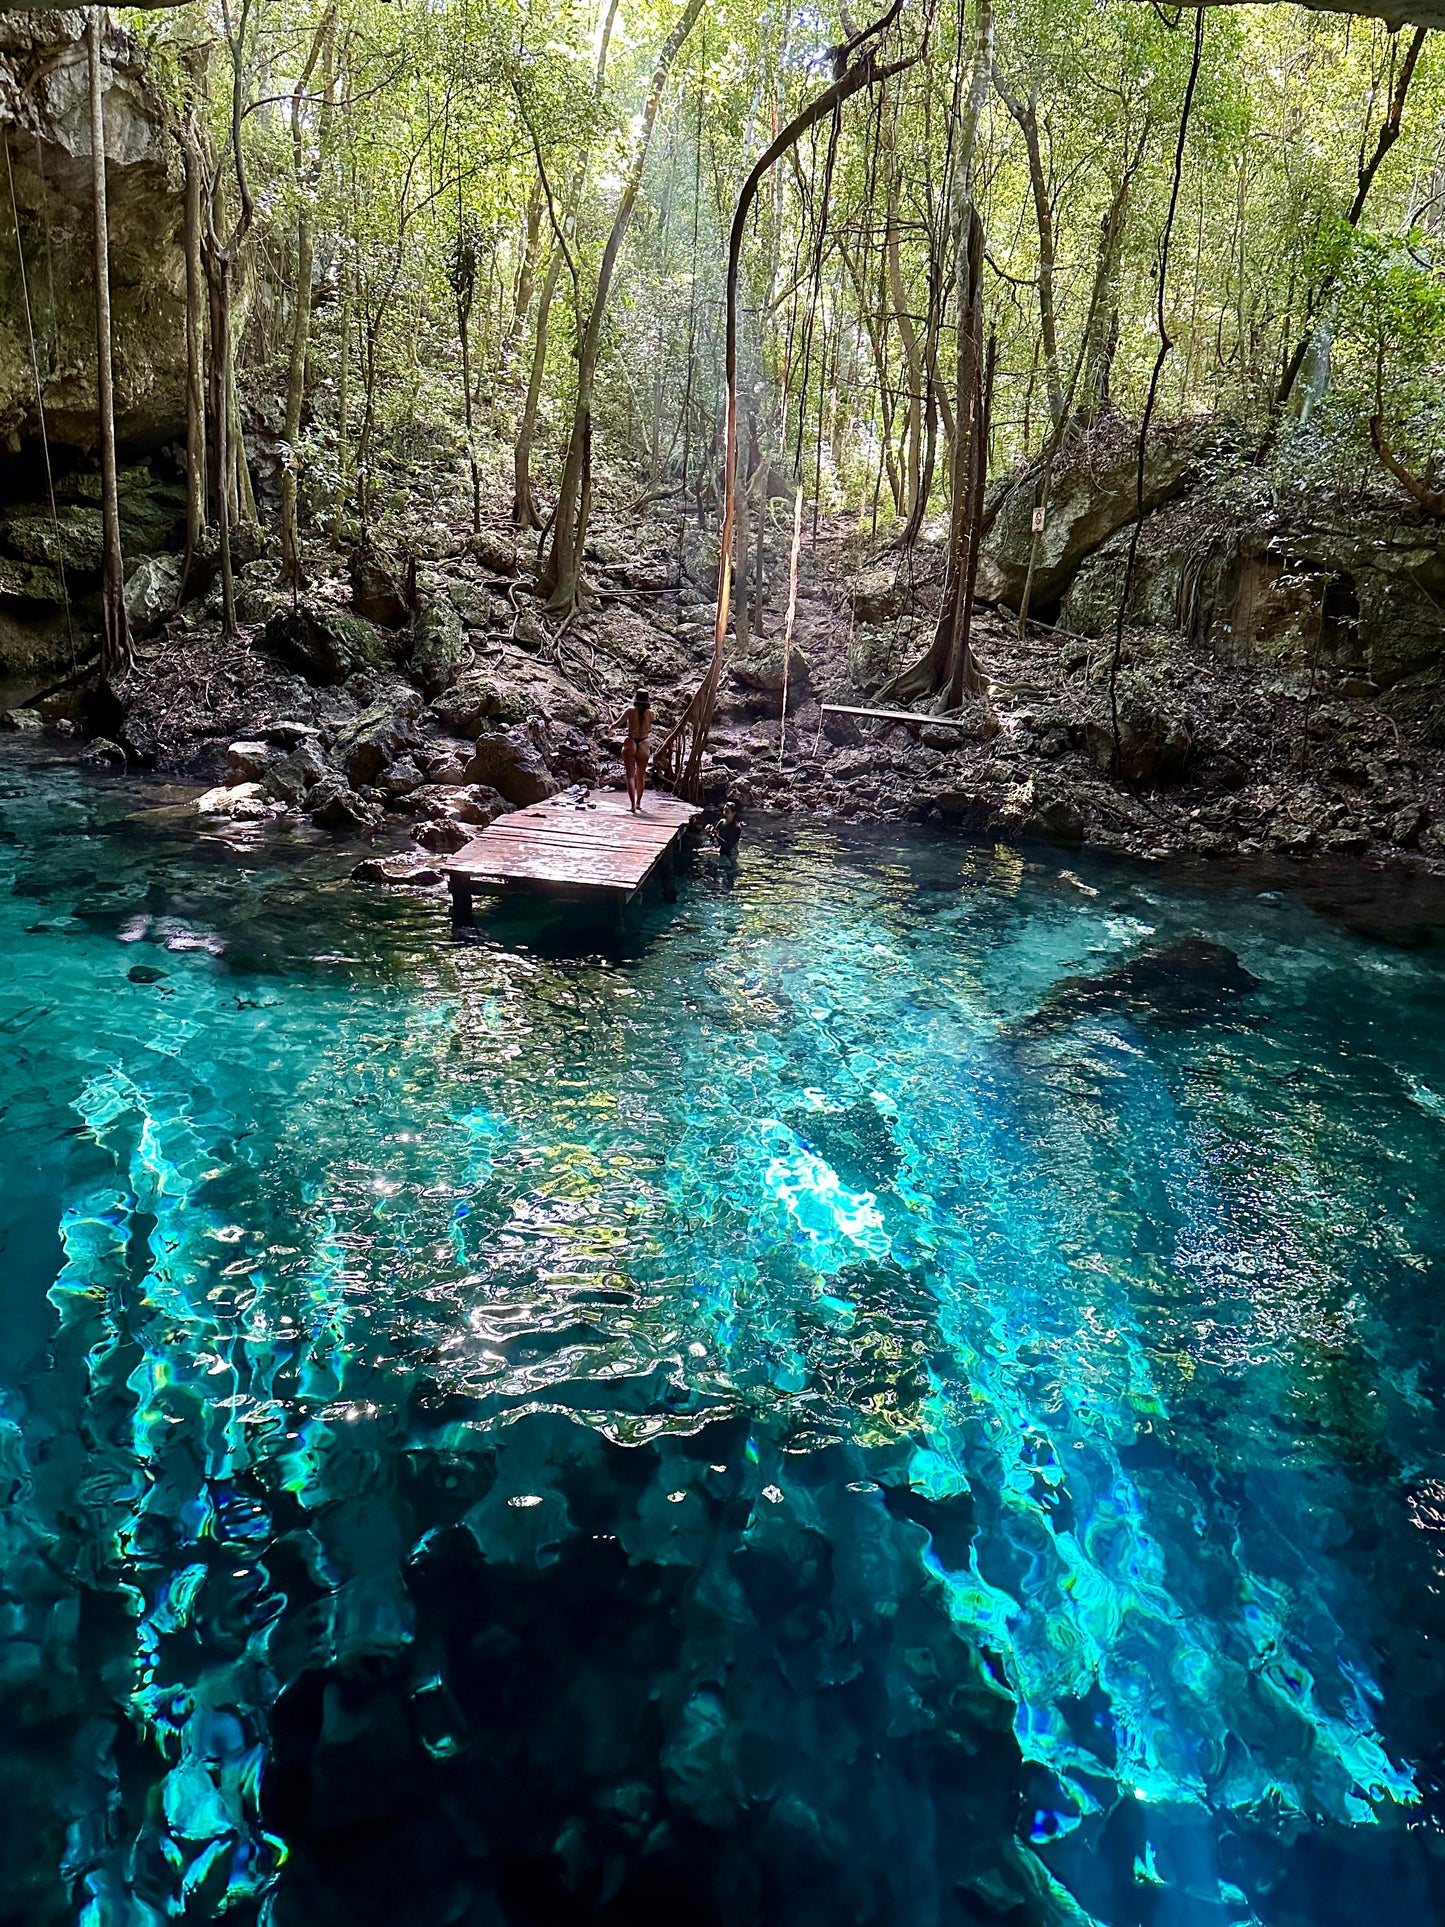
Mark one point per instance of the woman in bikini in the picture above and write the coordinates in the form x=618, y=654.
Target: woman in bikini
x=636, y=725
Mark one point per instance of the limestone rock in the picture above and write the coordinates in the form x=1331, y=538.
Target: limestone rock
x=324, y=643
x=508, y=762
x=152, y=591
x=44, y=58
x=437, y=646
x=366, y=746
x=240, y=802
x=1092, y=494
x=508, y=688
x=72, y=538
x=21, y=719
x=400, y=779
x=442, y=836
x=296, y=773
x=874, y=655
x=760, y=670
x=479, y=805
x=878, y=596
x=495, y=552
x=379, y=589
x=248, y=762
x=334, y=806
x=1154, y=744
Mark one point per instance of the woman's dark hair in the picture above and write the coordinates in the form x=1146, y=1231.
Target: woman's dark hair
x=641, y=700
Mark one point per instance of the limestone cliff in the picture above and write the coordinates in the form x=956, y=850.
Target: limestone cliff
x=45, y=112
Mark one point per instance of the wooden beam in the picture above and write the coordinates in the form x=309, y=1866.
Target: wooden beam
x=913, y=717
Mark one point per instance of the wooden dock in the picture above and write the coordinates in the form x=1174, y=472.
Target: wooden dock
x=594, y=850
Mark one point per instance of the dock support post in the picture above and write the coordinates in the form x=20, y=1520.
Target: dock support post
x=461, y=889
x=669, y=877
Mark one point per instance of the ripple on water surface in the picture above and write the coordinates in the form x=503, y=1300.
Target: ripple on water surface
x=860, y=1406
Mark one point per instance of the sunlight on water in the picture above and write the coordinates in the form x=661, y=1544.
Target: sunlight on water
x=933, y=1348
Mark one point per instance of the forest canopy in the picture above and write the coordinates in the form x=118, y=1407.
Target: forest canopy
x=452, y=230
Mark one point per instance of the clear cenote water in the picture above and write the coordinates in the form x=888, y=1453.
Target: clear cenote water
x=755, y=1426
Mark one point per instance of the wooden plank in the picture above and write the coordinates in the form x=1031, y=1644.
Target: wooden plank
x=912, y=716
x=496, y=855
x=571, y=866
x=603, y=848
x=613, y=838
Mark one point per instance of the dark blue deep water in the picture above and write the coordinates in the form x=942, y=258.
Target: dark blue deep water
x=808, y=1418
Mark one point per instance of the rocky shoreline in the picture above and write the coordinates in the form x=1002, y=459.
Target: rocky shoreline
x=413, y=705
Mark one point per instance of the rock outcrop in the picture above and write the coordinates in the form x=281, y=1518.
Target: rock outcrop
x=1093, y=493
x=44, y=98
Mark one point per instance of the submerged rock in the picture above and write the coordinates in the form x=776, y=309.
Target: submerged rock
x=1175, y=983
x=398, y=871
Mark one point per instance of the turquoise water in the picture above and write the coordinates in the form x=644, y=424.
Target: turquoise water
x=757, y=1425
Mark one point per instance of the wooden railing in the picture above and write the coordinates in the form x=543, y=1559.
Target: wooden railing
x=678, y=763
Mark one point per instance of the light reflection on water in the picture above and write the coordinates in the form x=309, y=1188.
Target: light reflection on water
x=1138, y=1316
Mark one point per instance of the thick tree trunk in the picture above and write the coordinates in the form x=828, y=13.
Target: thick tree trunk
x=115, y=639
x=948, y=662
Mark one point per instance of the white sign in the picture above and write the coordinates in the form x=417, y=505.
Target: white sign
x=1038, y=521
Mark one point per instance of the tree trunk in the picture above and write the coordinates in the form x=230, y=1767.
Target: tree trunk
x=742, y=626
x=343, y=410
x=949, y=658
x=526, y=269
x=322, y=48
x=1364, y=180
x=222, y=380
x=559, y=580
x=115, y=639
x=195, y=351
x=524, y=503
x=1026, y=114
x=912, y=463
x=1102, y=337
x=295, y=398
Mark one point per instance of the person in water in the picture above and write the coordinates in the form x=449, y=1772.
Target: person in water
x=729, y=831
x=636, y=725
